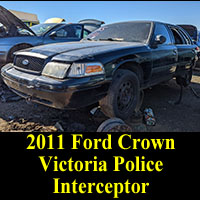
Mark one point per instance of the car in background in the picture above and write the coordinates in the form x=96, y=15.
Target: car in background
x=15, y=35
x=194, y=34
x=54, y=20
x=111, y=66
x=198, y=53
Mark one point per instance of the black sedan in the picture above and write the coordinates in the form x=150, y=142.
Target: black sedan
x=111, y=66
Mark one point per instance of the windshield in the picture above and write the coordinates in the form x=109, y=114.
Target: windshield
x=41, y=29
x=127, y=31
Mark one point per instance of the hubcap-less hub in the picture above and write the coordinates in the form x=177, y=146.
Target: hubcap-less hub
x=125, y=95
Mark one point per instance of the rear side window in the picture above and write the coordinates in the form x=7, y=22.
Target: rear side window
x=160, y=29
x=186, y=37
x=179, y=37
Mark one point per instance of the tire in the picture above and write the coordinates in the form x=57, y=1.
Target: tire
x=186, y=79
x=13, y=50
x=123, y=95
x=109, y=124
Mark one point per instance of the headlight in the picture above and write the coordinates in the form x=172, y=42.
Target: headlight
x=56, y=70
x=86, y=69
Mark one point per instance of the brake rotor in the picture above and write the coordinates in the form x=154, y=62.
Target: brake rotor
x=114, y=125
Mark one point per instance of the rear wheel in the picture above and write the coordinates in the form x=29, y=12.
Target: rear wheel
x=123, y=96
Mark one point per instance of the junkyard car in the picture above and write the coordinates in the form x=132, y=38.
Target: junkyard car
x=111, y=66
x=15, y=35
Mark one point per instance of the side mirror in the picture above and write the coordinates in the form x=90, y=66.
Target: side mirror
x=53, y=34
x=160, y=39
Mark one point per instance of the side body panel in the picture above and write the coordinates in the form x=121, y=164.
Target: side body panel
x=164, y=56
x=6, y=44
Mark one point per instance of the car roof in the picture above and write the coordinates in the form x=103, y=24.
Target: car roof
x=62, y=23
x=143, y=21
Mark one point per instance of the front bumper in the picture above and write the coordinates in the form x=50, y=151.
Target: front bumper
x=61, y=94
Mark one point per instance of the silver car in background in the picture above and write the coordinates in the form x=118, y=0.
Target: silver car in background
x=15, y=35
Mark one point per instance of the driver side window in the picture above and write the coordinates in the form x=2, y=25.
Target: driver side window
x=61, y=33
x=160, y=29
x=70, y=31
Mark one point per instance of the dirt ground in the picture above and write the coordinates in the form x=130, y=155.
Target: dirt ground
x=18, y=115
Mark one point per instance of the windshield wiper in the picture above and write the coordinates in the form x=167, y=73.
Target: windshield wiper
x=112, y=39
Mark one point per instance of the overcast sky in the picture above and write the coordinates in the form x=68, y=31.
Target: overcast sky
x=176, y=12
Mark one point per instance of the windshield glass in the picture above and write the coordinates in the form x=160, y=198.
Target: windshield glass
x=127, y=31
x=41, y=29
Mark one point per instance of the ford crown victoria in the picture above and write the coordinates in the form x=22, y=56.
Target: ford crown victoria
x=111, y=66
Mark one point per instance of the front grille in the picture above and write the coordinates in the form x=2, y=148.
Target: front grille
x=29, y=63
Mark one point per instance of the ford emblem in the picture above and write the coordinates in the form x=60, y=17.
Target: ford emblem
x=25, y=62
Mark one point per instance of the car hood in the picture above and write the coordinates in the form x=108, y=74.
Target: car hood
x=73, y=51
x=9, y=20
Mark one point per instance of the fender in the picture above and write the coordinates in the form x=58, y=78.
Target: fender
x=142, y=67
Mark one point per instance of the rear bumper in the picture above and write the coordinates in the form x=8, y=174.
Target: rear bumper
x=67, y=94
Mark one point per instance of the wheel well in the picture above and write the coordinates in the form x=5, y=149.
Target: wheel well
x=134, y=67
x=18, y=47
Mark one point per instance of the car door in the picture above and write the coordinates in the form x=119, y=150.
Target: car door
x=185, y=47
x=66, y=33
x=164, y=56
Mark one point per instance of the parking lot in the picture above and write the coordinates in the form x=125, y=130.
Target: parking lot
x=20, y=116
